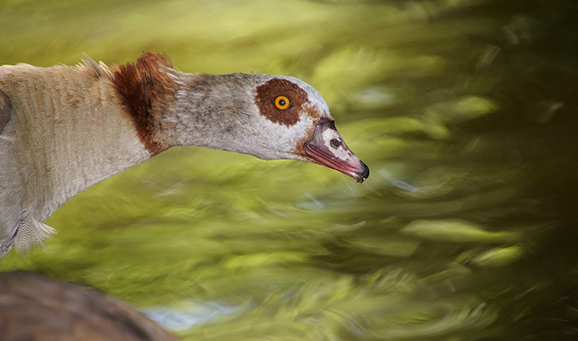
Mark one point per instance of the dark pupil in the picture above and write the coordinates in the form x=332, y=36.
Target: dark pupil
x=282, y=102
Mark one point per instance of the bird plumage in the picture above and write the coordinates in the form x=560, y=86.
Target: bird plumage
x=65, y=128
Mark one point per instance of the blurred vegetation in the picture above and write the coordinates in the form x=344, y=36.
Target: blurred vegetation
x=464, y=110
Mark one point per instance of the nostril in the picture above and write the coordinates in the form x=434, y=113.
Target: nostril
x=335, y=143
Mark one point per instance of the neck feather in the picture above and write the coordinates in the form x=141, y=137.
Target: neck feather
x=147, y=92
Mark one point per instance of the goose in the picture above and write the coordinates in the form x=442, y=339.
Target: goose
x=66, y=128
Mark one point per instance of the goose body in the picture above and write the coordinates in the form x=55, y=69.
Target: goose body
x=65, y=128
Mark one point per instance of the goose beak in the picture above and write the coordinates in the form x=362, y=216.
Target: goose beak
x=327, y=148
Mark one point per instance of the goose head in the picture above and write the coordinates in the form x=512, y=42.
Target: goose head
x=270, y=117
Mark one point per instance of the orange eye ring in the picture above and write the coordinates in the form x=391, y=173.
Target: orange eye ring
x=282, y=103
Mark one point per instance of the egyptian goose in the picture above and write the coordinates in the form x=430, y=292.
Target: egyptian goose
x=65, y=128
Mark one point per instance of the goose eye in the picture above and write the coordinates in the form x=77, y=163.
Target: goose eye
x=282, y=103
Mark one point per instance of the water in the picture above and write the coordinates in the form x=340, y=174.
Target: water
x=465, y=111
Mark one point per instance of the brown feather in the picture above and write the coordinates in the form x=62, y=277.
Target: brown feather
x=147, y=90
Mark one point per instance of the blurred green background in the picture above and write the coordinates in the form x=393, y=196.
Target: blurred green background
x=465, y=112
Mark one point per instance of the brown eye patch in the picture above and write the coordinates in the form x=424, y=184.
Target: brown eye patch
x=267, y=99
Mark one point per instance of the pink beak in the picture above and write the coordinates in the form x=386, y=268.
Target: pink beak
x=327, y=148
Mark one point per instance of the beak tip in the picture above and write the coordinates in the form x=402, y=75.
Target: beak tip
x=364, y=174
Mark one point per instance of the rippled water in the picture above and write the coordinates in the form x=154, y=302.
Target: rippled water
x=465, y=111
